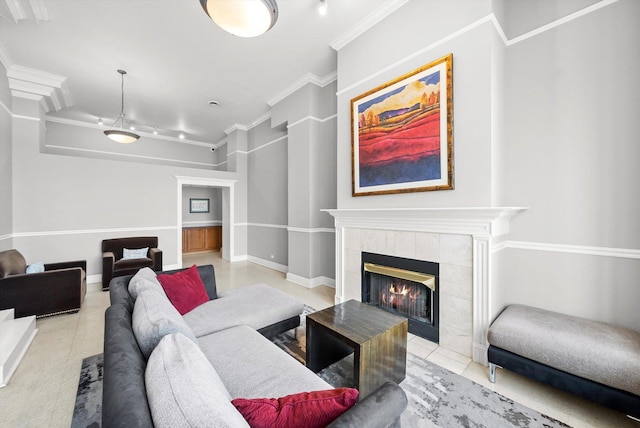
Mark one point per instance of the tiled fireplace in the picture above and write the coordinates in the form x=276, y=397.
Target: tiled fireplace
x=458, y=239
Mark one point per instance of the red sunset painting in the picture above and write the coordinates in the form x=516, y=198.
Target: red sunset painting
x=399, y=134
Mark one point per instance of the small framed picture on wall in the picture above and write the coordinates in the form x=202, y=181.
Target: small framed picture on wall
x=198, y=205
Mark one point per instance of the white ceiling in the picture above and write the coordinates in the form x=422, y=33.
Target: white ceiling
x=177, y=59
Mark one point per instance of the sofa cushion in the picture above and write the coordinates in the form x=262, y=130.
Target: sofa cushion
x=315, y=409
x=153, y=318
x=123, y=264
x=592, y=350
x=137, y=253
x=251, y=366
x=144, y=279
x=257, y=306
x=185, y=289
x=184, y=390
x=11, y=263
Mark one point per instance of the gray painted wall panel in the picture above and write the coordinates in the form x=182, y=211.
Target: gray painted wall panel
x=322, y=173
x=62, y=200
x=267, y=184
x=519, y=17
x=73, y=140
x=435, y=20
x=572, y=129
x=472, y=64
x=599, y=288
x=265, y=242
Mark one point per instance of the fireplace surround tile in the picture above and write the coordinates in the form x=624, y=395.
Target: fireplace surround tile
x=428, y=247
x=456, y=250
x=405, y=244
x=455, y=312
x=459, y=280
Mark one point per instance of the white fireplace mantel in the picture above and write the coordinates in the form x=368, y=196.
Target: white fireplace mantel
x=481, y=223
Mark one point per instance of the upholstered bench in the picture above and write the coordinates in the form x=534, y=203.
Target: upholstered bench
x=595, y=360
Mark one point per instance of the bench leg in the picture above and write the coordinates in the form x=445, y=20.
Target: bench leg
x=492, y=372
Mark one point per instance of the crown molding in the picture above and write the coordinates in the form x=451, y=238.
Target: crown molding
x=301, y=82
x=5, y=60
x=236, y=127
x=369, y=21
x=53, y=88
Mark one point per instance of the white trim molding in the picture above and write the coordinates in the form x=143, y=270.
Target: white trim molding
x=488, y=18
x=369, y=21
x=266, y=263
x=28, y=82
x=317, y=119
x=625, y=253
x=91, y=231
x=308, y=78
x=311, y=230
x=311, y=282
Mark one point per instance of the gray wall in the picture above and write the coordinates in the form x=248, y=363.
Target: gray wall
x=376, y=58
x=267, y=193
x=90, y=142
x=547, y=122
x=572, y=128
x=213, y=217
x=63, y=206
x=310, y=115
x=6, y=217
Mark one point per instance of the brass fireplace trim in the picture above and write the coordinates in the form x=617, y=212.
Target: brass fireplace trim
x=428, y=281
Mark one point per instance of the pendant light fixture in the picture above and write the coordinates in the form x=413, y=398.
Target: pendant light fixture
x=120, y=135
x=243, y=18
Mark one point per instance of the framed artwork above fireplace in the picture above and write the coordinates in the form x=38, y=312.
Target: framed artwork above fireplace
x=402, y=133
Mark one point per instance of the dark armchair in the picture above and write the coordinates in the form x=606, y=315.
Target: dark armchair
x=113, y=263
x=59, y=289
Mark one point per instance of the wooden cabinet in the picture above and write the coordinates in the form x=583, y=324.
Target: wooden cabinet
x=201, y=239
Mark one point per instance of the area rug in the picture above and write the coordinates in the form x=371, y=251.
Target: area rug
x=88, y=409
x=437, y=397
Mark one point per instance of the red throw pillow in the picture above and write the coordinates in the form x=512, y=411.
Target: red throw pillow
x=184, y=289
x=315, y=409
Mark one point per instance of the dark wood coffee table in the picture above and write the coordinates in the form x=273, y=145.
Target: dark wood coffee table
x=377, y=338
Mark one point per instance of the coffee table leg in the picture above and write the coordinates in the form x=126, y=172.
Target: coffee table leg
x=323, y=348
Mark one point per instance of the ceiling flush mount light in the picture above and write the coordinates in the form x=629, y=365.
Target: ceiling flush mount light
x=324, y=6
x=120, y=135
x=243, y=18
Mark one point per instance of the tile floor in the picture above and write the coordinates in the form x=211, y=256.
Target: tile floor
x=42, y=391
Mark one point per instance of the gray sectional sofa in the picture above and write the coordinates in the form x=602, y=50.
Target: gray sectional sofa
x=225, y=356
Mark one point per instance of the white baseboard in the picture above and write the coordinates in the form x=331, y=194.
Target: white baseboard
x=311, y=282
x=266, y=263
x=242, y=258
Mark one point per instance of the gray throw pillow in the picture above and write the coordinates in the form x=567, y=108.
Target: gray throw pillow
x=184, y=389
x=144, y=279
x=153, y=318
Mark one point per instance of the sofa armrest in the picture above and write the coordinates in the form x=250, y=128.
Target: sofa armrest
x=380, y=409
x=65, y=265
x=155, y=255
x=108, y=260
x=44, y=293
